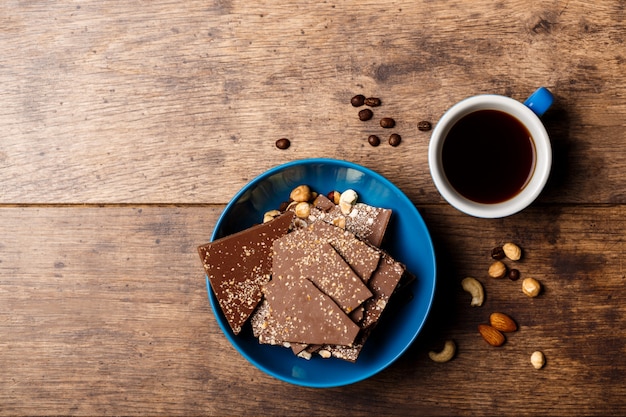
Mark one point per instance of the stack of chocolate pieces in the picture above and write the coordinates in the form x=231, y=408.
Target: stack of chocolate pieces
x=318, y=287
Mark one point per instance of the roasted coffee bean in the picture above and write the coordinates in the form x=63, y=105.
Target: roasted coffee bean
x=387, y=122
x=373, y=140
x=424, y=126
x=394, y=139
x=358, y=100
x=497, y=253
x=372, y=101
x=513, y=274
x=365, y=114
x=283, y=143
x=283, y=206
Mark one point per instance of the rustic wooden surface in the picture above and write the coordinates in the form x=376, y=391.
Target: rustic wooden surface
x=127, y=126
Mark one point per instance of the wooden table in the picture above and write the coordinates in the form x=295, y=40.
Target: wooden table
x=127, y=126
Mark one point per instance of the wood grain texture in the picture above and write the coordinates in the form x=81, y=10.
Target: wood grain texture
x=160, y=101
x=125, y=128
x=104, y=311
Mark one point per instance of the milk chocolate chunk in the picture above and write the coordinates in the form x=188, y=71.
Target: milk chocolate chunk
x=348, y=353
x=383, y=284
x=303, y=255
x=361, y=257
x=300, y=313
x=367, y=222
x=323, y=203
x=237, y=266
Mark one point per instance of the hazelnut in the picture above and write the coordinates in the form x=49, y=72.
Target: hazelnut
x=301, y=193
x=537, y=359
x=497, y=270
x=512, y=251
x=303, y=209
x=270, y=215
x=531, y=287
x=334, y=196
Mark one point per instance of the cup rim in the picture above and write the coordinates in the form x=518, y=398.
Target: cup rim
x=543, y=151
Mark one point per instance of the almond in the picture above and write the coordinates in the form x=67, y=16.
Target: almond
x=491, y=335
x=502, y=322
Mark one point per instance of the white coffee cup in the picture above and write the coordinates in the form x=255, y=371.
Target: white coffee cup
x=527, y=114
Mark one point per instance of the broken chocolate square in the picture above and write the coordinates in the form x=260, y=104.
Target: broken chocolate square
x=362, y=257
x=300, y=313
x=302, y=254
x=237, y=266
x=383, y=284
x=367, y=222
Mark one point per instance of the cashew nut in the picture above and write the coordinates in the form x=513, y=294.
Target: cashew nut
x=449, y=349
x=475, y=288
x=347, y=200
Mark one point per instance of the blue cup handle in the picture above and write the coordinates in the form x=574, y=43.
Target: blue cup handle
x=540, y=101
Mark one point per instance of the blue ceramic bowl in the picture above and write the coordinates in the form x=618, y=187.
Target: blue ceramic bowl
x=408, y=241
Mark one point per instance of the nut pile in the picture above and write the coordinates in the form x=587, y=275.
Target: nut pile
x=498, y=269
x=494, y=332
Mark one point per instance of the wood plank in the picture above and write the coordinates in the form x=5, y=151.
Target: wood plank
x=109, y=102
x=103, y=310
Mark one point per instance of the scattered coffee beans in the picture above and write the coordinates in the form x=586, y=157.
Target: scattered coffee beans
x=283, y=143
x=358, y=100
x=373, y=140
x=394, y=139
x=372, y=101
x=387, y=122
x=424, y=126
x=365, y=114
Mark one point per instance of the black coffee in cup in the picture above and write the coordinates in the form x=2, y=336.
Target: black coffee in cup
x=488, y=156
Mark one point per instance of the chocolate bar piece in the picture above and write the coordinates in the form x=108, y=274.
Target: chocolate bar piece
x=300, y=313
x=367, y=222
x=303, y=255
x=237, y=266
x=362, y=257
x=383, y=283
